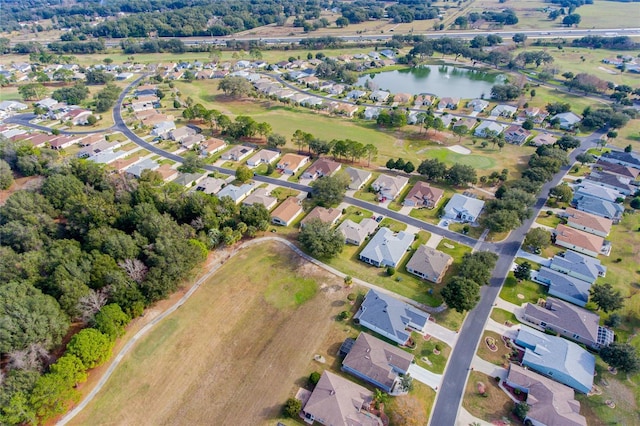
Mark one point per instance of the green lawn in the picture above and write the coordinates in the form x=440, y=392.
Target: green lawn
x=492, y=407
x=530, y=291
x=473, y=231
x=392, y=224
x=282, y=193
x=501, y=316
x=546, y=220
x=356, y=214
x=425, y=349
x=10, y=93
x=477, y=160
x=497, y=357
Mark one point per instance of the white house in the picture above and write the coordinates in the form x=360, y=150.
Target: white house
x=463, y=209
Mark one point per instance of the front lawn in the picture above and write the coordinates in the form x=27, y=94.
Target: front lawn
x=549, y=220
x=500, y=356
x=493, y=406
x=428, y=357
x=527, y=289
x=356, y=214
x=501, y=316
x=393, y=224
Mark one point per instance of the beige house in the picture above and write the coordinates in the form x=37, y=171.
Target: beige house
x=322, y=167
x=423, y=195
x=261, y=196
x=337, y=401
x=212, y=145
x=580, y=241
x=325, y=215
x=286, y=212
x=356, y=233
x=291, y=163
x=588, y=222
x=429, y=264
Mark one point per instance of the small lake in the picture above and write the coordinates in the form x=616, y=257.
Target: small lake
x=440, y=80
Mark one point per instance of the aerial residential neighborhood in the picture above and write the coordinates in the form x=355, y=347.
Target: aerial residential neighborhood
x=340, y=214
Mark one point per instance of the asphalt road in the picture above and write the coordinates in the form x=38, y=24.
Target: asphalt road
x=455, y=377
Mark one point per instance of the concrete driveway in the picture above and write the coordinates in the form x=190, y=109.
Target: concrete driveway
x=425, y=376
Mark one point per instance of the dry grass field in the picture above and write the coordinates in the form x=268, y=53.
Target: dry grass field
x=232, y=353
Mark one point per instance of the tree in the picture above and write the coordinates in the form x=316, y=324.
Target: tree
x=519, y=38
x=460, y=131
x=235, y=86
x=191, y=164
x=571, y=20
x=606, y=297
x=314, y=378
x=408, y=167
x=329, y=190
x=477, y=266
x=243, y=173
x=521, y=409
x=528, y=124
x=29, y=317
x=627, y=148
x=635, y=203
x=461, y=294
x=461, y=174
x=342, y=22
x=371, y=152
x=320, y=239
x=73, y=95
x=622, y=356
x=502, y=220
x=391, y=164
x=585, y=158
x=51, y=396
x=614, y=321
x=537, y=239
x=111, y=321
x=292, y=407
x=32, y=91
x=406, y=383
x=71, y=369
x=562, y=193
x=275, y=140
x=567, y=142
x=92, y=347
x=432, y=169
x=6, y=175
x=522, y=271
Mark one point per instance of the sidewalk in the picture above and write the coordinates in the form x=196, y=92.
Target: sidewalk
x=485, y=367
x=503, y=330
x=434, y=240
x=441, y=333
x=533, y=258
x=465, y=418
x=507, y=306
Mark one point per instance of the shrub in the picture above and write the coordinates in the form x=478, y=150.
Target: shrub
x=351, y=297
x=343, y=315
x=292, y=407
x=314, y=378
x=438, y=347
x=391, y=271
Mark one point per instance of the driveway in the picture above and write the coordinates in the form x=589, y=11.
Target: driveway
x=425, y=376
x=441, y=333
x=542, y=261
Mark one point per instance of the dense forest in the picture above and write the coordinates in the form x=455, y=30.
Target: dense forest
x=89, y=251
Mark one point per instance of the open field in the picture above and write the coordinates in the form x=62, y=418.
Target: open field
x=246, y=332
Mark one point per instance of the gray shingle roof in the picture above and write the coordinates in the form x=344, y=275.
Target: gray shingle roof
x=387, y=248
x=580, y=264
x=566, y=316
x=563, y=285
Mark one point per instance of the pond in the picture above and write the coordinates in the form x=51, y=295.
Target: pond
x=439, y=80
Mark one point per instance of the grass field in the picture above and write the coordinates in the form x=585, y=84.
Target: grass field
x=530, y=291
x=234, y=351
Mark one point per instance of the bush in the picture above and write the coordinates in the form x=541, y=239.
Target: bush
x=391, y=271
x=343, y=315
x=314, y=378
x=438, y=347
x=351, y=297
x=292, y=407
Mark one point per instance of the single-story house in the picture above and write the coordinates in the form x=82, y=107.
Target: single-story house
x=558, y=358
x=261, y=196
x=236, y=193
x=468, y=122
x=163, y=128
x=167, y=172
x=355, y=233
x=629, y=159
x=386, y=248
x=580, y=241
x=451, y=103
x=423, y=195
x=346, y=109
x=180, y=133
x=358, y=177
x=567, y=120
x=91, y=139
x=569, y=321
x=424, y=99
x=599, y=207
x=107, y=156
x=478, y=105
x=390, y=317
x=616, y=169
x=355, y=94
x=402, y=98
x=192, y=141
x=487, y=128
x=462, y=208
x=325, y=215
x=78, y=116
x=322, y=167
x=588, y=222
x=10, y=106
x=612, y=181
x=63, y=141
x=503, y=110
x=564, y=286
x=550, y=403
x=291, y=163
x=389, y=187
x=379, y=96
x=429, y=264
x=286, y=212
x=580, y=266
x=212, y=145
x=146, y=164
x=371, y=113
x=592, y=190
x=210, y=185
x=264, y=156
x=338, y=401
x=516, y=135
x=189, y=179
x=237, y=153
x=543, y=139
x=377, y=362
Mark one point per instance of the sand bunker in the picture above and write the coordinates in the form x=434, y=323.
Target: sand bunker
x=459, y=149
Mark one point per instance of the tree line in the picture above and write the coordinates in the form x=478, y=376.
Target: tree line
x=96, y=248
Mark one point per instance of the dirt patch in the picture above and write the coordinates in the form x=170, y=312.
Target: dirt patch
x=30, y=183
